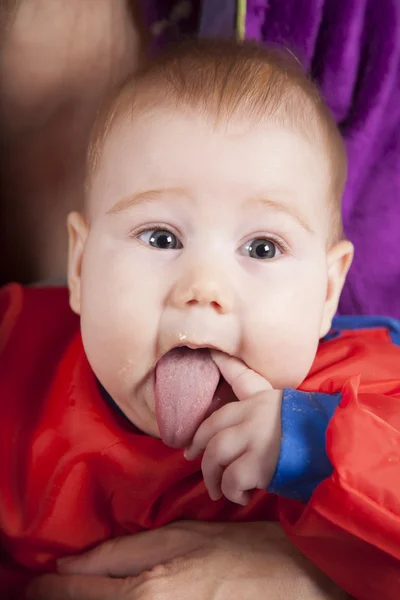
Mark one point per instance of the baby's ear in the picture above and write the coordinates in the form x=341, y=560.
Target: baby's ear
x=77, y=233
x=339, y=260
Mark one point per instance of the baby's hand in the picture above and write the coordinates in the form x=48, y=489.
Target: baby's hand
x=242, y=439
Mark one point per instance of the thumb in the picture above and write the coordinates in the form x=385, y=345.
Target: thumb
x=132, y=554
x=76, y=587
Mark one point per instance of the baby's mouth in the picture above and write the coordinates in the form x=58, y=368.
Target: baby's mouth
x=188, y=389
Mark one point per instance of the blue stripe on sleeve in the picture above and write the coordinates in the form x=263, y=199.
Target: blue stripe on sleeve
x=303, y=462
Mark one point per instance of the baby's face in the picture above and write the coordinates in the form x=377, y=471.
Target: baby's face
x=205, y=237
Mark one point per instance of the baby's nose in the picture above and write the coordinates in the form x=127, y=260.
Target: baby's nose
x=204, y=287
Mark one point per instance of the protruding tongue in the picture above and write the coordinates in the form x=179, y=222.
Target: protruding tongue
x=186, y=381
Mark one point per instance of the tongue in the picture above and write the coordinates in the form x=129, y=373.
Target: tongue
x=186, y=381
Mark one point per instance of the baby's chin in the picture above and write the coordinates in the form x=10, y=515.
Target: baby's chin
x=143, y=417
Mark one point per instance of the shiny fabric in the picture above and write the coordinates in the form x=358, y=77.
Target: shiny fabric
x=73, y=472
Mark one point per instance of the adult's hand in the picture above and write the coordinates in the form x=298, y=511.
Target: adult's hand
x=203, y=561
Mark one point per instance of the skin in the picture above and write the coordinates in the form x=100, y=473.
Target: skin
x=241, y=440
x=212, y=560
x=35, y=90
x=216, y=190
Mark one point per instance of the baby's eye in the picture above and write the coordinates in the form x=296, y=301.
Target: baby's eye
x=162, y=239
x=261, y=248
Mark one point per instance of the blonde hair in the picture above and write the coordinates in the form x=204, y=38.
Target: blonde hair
x=224, y=80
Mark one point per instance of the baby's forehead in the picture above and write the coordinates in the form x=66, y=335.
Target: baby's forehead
x=150, y=107
x=245, y=162
x=226, y=83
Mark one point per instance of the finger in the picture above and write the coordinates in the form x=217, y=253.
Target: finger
x=222, y=450
x=239, y=478
x=77, y=587
x=228, y=416
x=243, y=381
x=132, y=554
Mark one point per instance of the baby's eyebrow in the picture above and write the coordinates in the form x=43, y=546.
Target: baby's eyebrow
x=274, y=205
x=152, y=195
x=146, y=196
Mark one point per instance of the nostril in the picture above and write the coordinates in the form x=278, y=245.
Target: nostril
x=215, y=305
x=204, y=300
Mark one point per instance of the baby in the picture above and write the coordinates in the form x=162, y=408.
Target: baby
x=205, y=270
x=212, y=222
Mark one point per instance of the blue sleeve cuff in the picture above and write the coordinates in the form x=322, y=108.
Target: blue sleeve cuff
x=303, y=462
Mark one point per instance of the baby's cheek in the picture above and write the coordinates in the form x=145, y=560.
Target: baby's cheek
x=281, y=346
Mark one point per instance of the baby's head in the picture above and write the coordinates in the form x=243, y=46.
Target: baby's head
x=212, y=219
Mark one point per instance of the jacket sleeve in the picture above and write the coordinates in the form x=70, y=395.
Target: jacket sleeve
x=348, y=519
x=303, y=461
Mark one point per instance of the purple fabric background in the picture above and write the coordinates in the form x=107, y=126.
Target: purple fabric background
x=217, y=18
x=352, y=48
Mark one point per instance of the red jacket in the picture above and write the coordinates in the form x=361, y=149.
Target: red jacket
x=74, y=473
